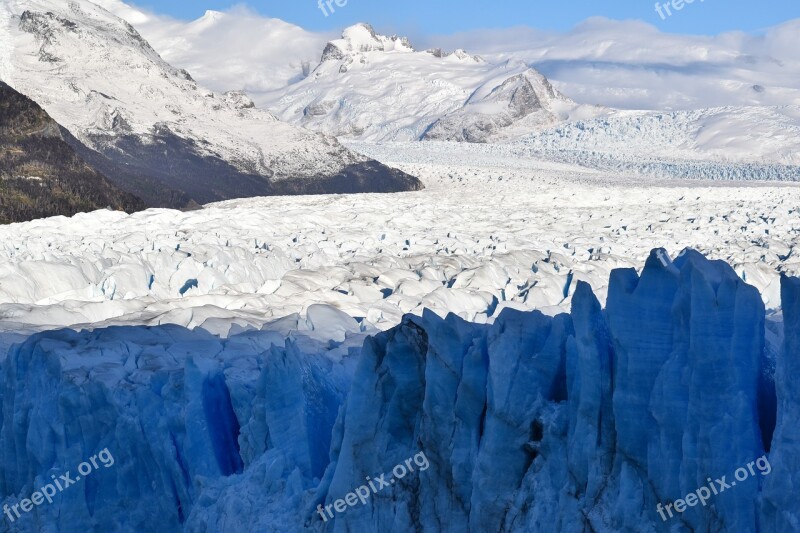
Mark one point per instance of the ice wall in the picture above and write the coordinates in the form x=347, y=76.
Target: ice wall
x=178, y=410
x=780, y=509
x=595, y=420
x=588, y=422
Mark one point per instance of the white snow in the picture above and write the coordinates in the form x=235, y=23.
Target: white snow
x=490, y=231
x=630, y=64
x=376, y=88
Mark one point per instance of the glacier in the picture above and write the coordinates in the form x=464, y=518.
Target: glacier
x=532, y=231
x=586, y=420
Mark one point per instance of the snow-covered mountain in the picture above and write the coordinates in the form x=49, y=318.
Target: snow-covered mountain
x=632, y=64
x=369, y=87
x=372, y=87
x=232, y=49
x=94, y=74
x=625, y=64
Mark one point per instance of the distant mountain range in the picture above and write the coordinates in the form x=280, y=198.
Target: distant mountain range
x=370, y=87
x=624, y=64
x=377, y=88
x=152, y=129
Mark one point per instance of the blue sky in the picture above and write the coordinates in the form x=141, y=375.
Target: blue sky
x=450, y=16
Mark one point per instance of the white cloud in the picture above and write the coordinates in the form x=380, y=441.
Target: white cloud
x=631, y=64
x=236, y=49
x=626, y=64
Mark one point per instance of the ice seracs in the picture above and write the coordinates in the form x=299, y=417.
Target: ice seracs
x=732, y=135
x=589, y=419
x=778, y=507
x=531, y=231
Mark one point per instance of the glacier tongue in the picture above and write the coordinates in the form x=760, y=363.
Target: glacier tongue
x=584, y=421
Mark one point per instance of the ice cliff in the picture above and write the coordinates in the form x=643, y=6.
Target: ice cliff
x=587, y=421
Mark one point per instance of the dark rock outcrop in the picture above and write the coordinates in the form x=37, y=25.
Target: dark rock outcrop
x=41, y=174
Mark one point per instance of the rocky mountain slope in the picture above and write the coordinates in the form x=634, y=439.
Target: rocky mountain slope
x=40, y=173
x=373, y=87
x=95, y=75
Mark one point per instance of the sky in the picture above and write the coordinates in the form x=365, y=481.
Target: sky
x=426, y=17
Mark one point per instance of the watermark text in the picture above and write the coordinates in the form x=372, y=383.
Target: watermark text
x=58, y=485
x=374, y=485
x=714, y=488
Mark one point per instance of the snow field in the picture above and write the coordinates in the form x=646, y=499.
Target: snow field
x=486, y=234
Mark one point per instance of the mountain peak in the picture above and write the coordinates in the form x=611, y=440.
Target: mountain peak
x=359, y=29
x=210, y=17
x=362, y=38
x=459, y=53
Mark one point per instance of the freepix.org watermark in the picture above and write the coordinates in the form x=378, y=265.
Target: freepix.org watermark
x=326, y=6
x=665, y=10
x=714, y=488
x=364, y=492
x=59, y=484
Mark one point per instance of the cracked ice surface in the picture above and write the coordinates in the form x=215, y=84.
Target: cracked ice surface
x=489, y=232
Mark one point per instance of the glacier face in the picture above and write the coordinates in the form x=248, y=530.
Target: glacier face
x=585, y=421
